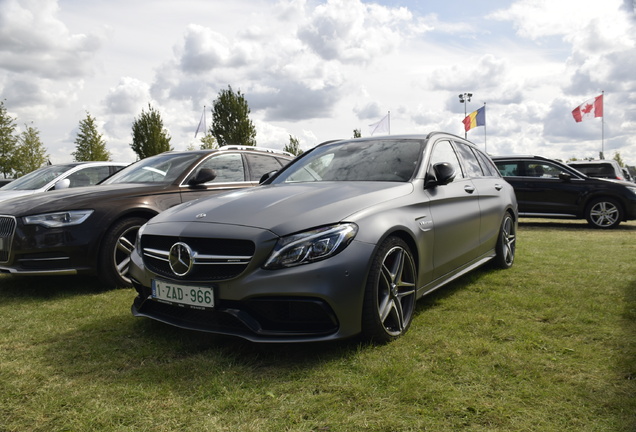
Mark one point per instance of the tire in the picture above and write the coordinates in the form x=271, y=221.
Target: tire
x=604, y=213
x=506, y=243
x=118, y=244
x=390, y=293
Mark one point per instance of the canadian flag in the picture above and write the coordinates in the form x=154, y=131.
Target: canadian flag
x=589, y=109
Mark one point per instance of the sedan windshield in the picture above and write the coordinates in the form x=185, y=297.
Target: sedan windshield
x=358, y=160
x=38, y=178
x=160, y=169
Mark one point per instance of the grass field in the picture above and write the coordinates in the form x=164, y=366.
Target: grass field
x=549, y=345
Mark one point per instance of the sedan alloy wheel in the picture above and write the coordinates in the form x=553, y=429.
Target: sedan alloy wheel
x=390, y=292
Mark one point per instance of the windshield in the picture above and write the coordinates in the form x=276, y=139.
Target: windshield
x=163, y=168
x=358, y=160
x=38, y=178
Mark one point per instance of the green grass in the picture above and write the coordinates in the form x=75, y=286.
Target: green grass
x=549, y=345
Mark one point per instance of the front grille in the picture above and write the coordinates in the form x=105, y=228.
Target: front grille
x=7, y=228
x=215, y=259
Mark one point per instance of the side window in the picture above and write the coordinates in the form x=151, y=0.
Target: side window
x=444, y=152
x=261, y=164
x=473, y=169
x=487, y=166
x=509, y=169
x=228, y=167
x=542, y=169
x=89, y=176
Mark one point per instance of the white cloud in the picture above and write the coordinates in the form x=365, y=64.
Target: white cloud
x=317, y=69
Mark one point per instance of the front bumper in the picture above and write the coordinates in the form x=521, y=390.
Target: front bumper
x=35, y=250
x=314, y=302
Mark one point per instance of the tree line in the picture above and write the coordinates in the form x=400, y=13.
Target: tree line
x=21, y=153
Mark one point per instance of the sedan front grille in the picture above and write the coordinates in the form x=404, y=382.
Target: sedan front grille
x=212, y=260
x=7, y=229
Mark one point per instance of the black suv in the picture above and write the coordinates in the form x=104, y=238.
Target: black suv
x=548, y=188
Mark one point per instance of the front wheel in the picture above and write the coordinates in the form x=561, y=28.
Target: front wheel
x=117, y=246
x=389, y=298
x=604, y=213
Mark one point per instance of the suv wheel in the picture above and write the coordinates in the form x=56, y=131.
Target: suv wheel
x=604, y=213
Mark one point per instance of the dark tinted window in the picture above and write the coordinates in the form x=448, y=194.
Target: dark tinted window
x=261, y=164
x=539, y=169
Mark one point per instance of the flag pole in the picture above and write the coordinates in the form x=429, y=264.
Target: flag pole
x=389, y=120
x=485, y=142
x=603, y=127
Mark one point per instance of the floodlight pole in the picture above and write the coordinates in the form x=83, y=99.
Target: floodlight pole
x=463, y=98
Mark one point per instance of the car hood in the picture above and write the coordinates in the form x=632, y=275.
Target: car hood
x=9, y=194
x=287, y=208
x=75, y=198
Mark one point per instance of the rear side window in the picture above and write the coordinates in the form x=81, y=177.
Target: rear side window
x=473, y=169
x=89, y=176
x=227, y=166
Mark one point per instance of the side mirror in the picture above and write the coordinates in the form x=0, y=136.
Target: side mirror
x=203, y=176
x=265, y=177
x=62, y=184
x=444, y=174
x=565, y=177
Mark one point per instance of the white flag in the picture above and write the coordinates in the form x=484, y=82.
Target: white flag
x=201, y=122
x=381, y=127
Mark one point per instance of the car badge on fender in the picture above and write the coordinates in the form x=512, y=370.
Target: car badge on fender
x=180, y=259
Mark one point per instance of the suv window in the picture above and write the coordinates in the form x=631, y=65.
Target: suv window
x=528, y=169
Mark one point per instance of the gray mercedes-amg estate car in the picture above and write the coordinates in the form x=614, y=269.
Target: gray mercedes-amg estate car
x=340, y=242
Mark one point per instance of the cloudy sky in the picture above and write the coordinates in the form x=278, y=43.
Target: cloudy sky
x=317, y=70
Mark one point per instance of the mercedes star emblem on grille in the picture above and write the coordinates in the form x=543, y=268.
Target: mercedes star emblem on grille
x=180, y=259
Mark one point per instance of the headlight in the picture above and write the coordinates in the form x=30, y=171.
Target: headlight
x=311, y=246
x=59, y=219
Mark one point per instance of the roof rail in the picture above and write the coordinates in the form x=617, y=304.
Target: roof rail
x=244, y=147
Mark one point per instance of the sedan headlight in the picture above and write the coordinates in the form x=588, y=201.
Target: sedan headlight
x=311, y=246
x=58, y=219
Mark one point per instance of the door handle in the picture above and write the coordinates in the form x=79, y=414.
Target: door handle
x=498, y=186
x=469, y=189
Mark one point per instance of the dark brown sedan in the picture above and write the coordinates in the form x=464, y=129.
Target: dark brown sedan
x=93, y=229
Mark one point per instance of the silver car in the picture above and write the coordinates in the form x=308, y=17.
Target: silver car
x=340, y=242
x=56, y=177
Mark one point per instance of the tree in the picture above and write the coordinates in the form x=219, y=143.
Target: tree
x=208, y=142
x=619, y=159
x=230, y=119
x=8, y=141
x=149, y=136
x=293, y=147
x=30, y=153
x=89, y=144
x=357, y=133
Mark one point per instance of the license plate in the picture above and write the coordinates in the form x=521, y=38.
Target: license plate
x=193, y=296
